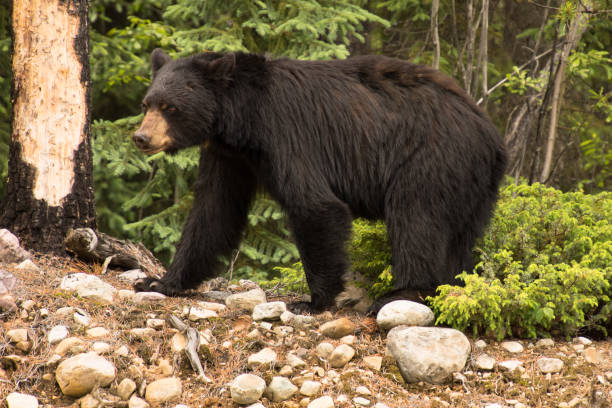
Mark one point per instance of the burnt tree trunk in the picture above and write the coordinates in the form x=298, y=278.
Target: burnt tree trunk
x=50, y=181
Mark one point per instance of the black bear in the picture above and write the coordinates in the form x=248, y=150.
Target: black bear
x=369, y=136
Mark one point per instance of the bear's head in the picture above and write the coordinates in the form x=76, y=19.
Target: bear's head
x=182, y=107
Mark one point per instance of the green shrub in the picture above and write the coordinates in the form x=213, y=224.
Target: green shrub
x=545, y=267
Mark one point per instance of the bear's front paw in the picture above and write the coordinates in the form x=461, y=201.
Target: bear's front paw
x=305, y=308
x=154, y=285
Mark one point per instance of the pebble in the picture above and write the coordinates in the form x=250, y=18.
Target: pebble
x=361, y=390
x=583, y=340
x=294, y=361
x=126, y=388
x=269, y=311
x=484, y=362
x=57, y=334
x=132, y=275
x=363, y=402
x=18, y=400
x=324, y=349
x=148, y=297
x=247, y=388
x=373, y=362
x=97, y=332
x=341, y=355
x=70, y=345
x=404, y=312
x=592, y=356
x=510, y=365
x=217, y=307
x=322, y=402
x=545, y=343
x=164, y=390
x=310, y=388
x=156, y=323
x=512, y=346
x=136, y=402
x=198, y=313
x=78, y=375
x=337, y=328
x=280, y=389
x=246, y=300
x=549, y=365
x=265, y=356
x=17, y=335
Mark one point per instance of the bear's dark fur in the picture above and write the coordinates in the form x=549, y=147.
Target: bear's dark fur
x=369, y=136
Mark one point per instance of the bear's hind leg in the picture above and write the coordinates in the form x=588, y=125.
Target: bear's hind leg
x=222, y=196
x=321, y=232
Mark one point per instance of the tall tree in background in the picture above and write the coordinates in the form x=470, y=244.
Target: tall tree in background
x=50, y=186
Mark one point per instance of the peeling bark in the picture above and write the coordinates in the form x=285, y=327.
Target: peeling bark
x=50, y=183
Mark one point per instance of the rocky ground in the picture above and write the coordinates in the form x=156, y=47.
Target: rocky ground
x=76, y=340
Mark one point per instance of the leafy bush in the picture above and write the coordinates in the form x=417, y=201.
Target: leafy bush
x=545, y=267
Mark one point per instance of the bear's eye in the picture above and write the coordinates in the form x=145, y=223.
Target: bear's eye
x=168, y=108
x=144, y=107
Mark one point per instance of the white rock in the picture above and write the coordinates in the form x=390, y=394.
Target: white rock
x=198, y=313
x=247, y=388
x=350, y=339
x=549, y=365
x=480, y=344
x=136, y=402
x=583, y=340
x=44, y=312
x=17, y=335
x=310, y=388
x=297, y=321
x=101, y=347
x=324, y=349
x=269, y=310
x=126, y=294
x=10, y=251
x=74, y=281
x=132, y=275
x=428, y=354
x=18, y=400
x=78, y=375
x=164, y=390
x=294, y=361
x=512, y=346
x=81, y=317
x=265, y=356
x=373, y=362
x=122, y=351
x=322, y=402
x=64, y=311
x=361, y=390
x=256, y=405
x=217, y=307
x=341, y=355
x=280, y=389
x=404, y=312
x=380, y=405
x=510, y=365
x=57, y=334
x=97, y=332
x=89, y=287
x=148, y=297
x=70, y=345
x=246, y=300
x=28, y=266
x=363, y=402
x=484, y=362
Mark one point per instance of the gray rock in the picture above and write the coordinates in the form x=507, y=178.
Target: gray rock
x=484, y=362
x=545, y=343
x=10, y=251
x=404, y=312
x=549, y=365
x=216, y=295
x=428, y=354
x=164, y=390
x=341, y=355
x=322, y=402
x=512, y=346
x=247, y=388
x=294, y=361
x=265, y=356
x=280, y=389
x=310, y=388
x=297, y=321
x=148, y=297
x=18, y=400
x=480, y=344
x=246, y=300
x=70, y=345
x=269, y=310
x=78, y=375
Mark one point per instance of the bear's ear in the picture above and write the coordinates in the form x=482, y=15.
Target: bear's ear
x=158, y=59
x=223, y=67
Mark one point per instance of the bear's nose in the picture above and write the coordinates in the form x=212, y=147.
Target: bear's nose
x=141, y=140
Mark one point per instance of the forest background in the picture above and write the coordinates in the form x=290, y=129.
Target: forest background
x=542, y=71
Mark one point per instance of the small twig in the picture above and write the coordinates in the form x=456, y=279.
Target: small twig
x=107, y=261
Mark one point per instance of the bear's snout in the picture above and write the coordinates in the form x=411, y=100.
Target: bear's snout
x=141, y=140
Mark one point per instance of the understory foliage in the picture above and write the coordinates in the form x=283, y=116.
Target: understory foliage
x=545, y=267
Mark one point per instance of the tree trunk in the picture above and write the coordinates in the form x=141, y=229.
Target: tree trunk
x=575, y=32
x=50, y=183
x=435, y=6
x=484, y=42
